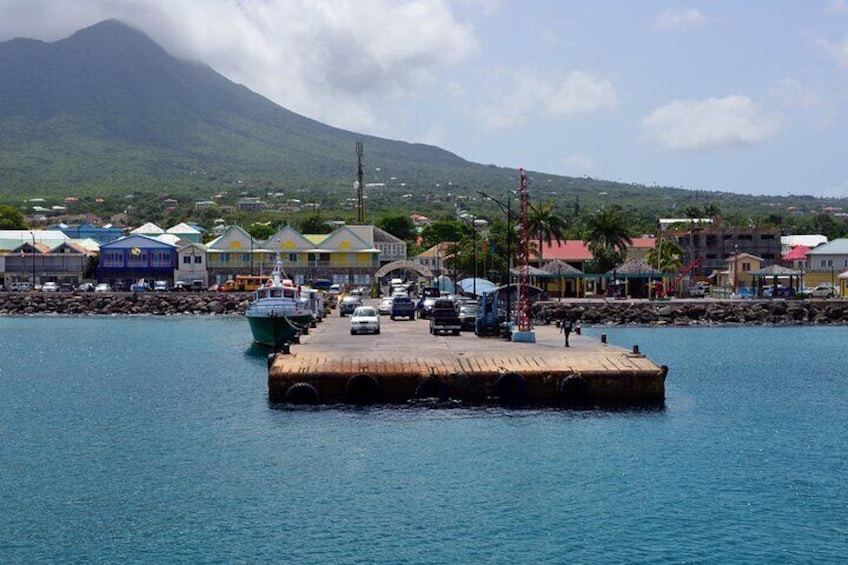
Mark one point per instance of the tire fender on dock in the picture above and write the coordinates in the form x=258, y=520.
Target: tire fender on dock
x=573, y=390
x=363, y=389
x=511, y=387
x=432, y=387
x=302, y=393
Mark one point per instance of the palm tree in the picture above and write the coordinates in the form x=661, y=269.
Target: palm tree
x=666, y=256
x=607, y=238
x=546, y=225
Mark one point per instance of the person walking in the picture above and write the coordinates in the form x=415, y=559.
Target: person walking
x=565, y=327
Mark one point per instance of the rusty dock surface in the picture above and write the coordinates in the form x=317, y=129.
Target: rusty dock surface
x=404, y=362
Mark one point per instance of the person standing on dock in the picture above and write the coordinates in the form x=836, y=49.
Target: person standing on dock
x=565, y=327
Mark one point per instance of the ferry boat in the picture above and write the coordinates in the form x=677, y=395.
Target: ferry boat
x=278, y=311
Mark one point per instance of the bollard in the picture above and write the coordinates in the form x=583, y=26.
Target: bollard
x=603, y=338
x=577, y=329
x=636, y=349
x=286, y=349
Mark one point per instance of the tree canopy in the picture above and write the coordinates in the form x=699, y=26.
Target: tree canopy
x=11, y=218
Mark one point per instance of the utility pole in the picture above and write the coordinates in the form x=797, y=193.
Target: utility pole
x=360, y=204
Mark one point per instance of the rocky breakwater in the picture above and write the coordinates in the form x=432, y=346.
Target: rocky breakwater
x=708, y=312
x=121, y=303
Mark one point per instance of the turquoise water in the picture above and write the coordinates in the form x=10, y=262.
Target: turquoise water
x=151, y=440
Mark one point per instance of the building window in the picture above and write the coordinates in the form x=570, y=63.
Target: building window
x=198, y=259
x=745, y=237
x=293, y=257
x=746, y=267
x=186, y=259
x=767, y=237
x=711, y=240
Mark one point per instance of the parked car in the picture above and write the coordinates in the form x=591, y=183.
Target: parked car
x=402, y=307
x=385, y=306
x=140, y=286
x=49, y=286
x=348, y=304
x=20, y=286
x=86, y=287
x=824, y=290
x=160, y=286
x=180, y=286
x=699, y=290
x=468, y=316
x=102, y=287
x=66, y=287
x=781, y=291
x=365, y=319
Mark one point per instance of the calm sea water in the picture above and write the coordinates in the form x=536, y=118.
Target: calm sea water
x=151, y=440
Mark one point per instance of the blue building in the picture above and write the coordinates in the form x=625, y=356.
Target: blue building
x=85, y=230
x=126, y=260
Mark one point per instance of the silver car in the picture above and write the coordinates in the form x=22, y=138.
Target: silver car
x=365, y=319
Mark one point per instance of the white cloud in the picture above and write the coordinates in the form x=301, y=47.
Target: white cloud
x=337, y=62
x=839, y=7
x=790, y=92
x=714, y=123
x=522, y=95
x=680, y=19
x=836, y=50
x=578, y=93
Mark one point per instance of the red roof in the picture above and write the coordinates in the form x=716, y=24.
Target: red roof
x=798, y=253
x=575, y=250
x=569, y=250
x=643, y=243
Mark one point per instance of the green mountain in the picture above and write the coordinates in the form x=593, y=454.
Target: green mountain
x=107, y=108
x=107, y=112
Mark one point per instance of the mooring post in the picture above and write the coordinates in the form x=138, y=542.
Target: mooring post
x=603, y=338
x=636, y=349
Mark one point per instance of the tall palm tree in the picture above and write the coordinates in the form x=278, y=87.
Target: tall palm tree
x=607, y=238
x=546, y=225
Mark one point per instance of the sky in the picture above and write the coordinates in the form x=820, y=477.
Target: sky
x=748, y=97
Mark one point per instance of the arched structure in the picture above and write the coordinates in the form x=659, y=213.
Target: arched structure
x=404, y=264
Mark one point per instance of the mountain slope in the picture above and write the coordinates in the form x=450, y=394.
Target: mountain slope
x=109, y=106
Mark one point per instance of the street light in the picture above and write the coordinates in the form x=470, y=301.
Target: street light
x=508, y=210
x=32, y=256
x=473, y=225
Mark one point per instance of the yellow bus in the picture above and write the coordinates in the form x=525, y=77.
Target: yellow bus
x=244, y=283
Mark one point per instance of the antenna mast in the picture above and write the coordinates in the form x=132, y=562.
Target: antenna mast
x=525, y=331
x=360, y=204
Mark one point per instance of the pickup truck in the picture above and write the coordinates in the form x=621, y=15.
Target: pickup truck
x=444, y=318
x=402, y=307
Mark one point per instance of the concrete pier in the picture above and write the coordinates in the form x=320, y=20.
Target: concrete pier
x=404, y=362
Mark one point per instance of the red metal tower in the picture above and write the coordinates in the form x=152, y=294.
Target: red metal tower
x=523, y=259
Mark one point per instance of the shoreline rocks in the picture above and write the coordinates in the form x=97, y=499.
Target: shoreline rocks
x=123, y=303
x=698, y=313
x=599, y=312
